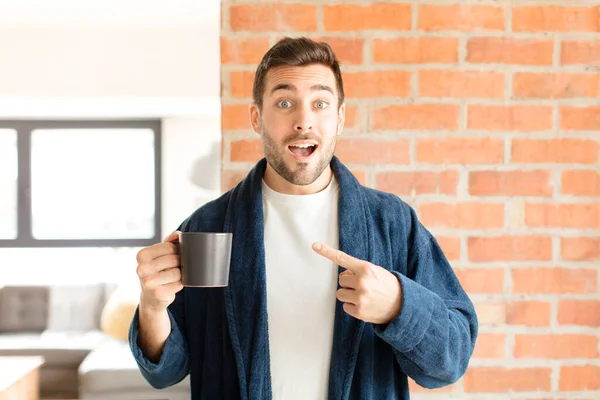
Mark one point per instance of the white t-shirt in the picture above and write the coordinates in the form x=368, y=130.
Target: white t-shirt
x=301, y=287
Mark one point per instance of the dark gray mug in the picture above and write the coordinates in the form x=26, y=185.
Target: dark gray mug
x=205, y=258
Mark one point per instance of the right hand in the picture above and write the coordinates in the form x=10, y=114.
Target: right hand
x=159, y=273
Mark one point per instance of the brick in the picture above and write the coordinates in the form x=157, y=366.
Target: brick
x=463, y=18
x=361, y=176
x=350, y=121
x=414, y=387
x=481, y=280
x=580, y=118
x=490, y=312
x=490, y=346
x=230, y=178
x=502, y=50
x=349, y=51
x=503, y=380
x=419, y=50
x=416, y=117
x=565, y=398
x=273, y=17
x=553, y=281
x=418, y=182
x=460, y=151
x=510, y=248
x=579, y=312
x=580, y=248
x=555, y=346
x=554, y=151
x=462, y=215
x=510, y=183
x=377, y=84
x=354, y=17
x=364, y=151
x=461, y=84
x=538, y=85
x=450, y=246
x=509, y=118
x=580, y=183
x=579, y=378
x=556, y=19
x=528, y=313
x=241, y=84
x=552, y=215
x=246, y=151
x=235, y=116
x=243, y=51
x=583, y=52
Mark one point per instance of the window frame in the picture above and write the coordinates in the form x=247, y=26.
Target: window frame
x=24, y=129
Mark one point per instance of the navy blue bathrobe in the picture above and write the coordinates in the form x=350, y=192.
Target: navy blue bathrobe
x=220, y=335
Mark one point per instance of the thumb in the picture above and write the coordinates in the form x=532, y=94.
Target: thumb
x=173, y=237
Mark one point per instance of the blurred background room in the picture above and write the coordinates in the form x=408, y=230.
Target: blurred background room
x=120, y=118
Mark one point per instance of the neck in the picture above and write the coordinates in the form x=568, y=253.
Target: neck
x=279, y=184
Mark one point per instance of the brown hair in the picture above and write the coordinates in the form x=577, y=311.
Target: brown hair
x=296, y=52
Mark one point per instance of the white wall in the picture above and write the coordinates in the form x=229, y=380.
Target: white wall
x=191, y=167
x=100, y=62
x=121, y=59
x=102, y=48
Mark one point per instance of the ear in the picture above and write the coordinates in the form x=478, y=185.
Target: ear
x=254, y=113
x=341, y=118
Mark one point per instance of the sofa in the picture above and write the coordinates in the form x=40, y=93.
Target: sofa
x=84, y=357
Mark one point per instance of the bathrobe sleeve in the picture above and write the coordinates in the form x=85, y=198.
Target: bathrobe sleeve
x=172, y=366
x=434, y=334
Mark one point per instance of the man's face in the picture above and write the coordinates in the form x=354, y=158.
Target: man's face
x=299, y=122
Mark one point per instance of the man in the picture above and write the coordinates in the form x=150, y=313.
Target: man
x=292, y=324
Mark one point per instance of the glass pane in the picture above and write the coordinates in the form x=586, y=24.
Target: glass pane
x=8, y=184
x=92, y=183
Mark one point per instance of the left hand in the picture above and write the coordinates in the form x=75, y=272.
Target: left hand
x=369, y=292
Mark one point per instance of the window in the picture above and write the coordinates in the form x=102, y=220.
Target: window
x=8, y=184
x=79, y=183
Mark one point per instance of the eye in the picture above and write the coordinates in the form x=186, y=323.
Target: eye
x=284, y=104
x=320, y=104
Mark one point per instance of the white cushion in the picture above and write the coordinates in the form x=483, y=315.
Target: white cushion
x=57, y=348
x=112, y=368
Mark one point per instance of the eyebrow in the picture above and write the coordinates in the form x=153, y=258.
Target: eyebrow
x=287, y=86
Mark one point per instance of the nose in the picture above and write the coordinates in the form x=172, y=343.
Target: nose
x=303, y=122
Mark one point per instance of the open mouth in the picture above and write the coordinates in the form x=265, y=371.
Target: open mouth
x=302, y=151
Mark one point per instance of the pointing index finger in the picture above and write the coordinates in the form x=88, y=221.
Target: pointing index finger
x=339, y=257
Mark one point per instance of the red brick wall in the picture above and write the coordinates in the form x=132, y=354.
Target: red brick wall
x=484, y=117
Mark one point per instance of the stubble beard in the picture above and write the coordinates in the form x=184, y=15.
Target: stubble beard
x=302, y=175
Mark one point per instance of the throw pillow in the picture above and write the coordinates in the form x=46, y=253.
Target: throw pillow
x=118, y=312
